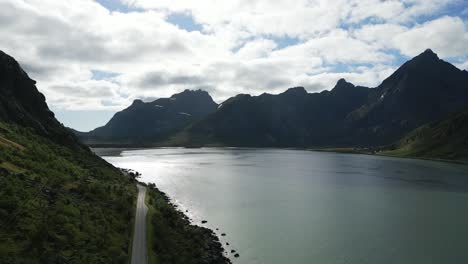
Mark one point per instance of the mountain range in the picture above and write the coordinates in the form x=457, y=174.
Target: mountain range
x=423, y=90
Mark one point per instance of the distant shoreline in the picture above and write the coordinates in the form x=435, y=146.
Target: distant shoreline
x=344, y=150
x=353, y=151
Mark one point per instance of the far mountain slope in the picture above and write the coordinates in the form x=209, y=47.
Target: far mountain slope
x=446, y=139
x=149, y=122
x=422, y=90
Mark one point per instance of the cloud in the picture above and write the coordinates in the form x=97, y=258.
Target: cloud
x=337, y=47
x=381, y=35
x=85, y=95
x=153, y=80
x=34, y=68
x=225, y=48
x=256, y=49
x=294, y=18
x=448, y=36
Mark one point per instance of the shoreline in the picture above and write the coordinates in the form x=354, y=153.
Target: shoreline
x=349, y=151
x=203, y=239
x=332, y=150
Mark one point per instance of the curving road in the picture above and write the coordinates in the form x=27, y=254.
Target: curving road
x=139, y=249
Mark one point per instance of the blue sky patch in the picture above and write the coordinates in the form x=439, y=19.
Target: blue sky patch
x=75, y=119
x=285, y=41
x=184, y=21
x=103, y=75
x=116, y=5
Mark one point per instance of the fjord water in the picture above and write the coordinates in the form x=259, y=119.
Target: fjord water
x=301, y=207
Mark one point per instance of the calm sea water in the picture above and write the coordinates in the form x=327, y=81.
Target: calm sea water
x=302, y=207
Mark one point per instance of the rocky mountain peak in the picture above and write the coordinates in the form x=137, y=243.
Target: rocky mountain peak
x=429, y=53
x=428, y=57
x=137, y=102
x=296, y=91
x=343, y=83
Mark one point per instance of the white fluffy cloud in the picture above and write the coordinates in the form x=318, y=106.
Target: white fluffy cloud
x=447, y=35
x=64, y=45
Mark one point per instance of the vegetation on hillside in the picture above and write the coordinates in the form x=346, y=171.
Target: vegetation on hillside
x=59, y=205
x=447, y=139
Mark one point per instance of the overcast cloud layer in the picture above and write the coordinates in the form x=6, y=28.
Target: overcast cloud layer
x=100, y=55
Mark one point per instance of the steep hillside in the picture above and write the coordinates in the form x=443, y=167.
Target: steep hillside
x=59, y=202
x=447, y=139
x=60, y=205
x=149, y=122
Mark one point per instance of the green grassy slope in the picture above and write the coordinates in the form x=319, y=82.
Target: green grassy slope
x=447, y=139
x=59, y=205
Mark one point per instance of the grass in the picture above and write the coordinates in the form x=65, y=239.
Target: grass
x=8, y=143
x=60, y=205
x=11, y=167
x=445, y=140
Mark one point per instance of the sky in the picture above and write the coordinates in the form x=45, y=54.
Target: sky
x=92, y=58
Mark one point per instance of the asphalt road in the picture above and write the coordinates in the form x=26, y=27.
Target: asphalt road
x=139, y=249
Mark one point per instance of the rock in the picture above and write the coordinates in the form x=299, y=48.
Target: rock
x=204, y=222
x=233, y=251
x=223, y=234
x=227, y=244
x=236, y=255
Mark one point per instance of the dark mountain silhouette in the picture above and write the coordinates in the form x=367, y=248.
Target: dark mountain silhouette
x=293, y=118
x=422, y=90
x=22, y=103
x=149, y=122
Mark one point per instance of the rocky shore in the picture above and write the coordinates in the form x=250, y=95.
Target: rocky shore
x=176, y=239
